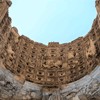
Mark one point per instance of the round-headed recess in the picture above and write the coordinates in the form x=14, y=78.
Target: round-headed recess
x=50, y=65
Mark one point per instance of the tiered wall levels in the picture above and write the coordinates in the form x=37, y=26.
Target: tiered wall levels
x=52, y=65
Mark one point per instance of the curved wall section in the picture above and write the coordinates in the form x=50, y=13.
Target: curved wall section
x=51, y=65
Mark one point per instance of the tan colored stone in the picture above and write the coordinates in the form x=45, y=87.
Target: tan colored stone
x=51, y=65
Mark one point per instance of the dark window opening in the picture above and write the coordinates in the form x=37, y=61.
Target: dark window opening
x=51, y=74
x=90, y=56
x=10, y=59
x=33, y=52
x=40, y=73
x=30, y=70
x=27, y=63
x=61, y=74
x=28, y=75
x=61, y=79
x=39, y=78
x=60, y=66
x=52, y=55
x=18, y=70
x=32, y=56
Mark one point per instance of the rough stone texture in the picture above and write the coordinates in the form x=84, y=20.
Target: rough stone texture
x=32, y=70
x=83, y=89
x=51, y=65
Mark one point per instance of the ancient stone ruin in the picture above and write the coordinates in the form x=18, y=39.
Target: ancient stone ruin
x=33, y=71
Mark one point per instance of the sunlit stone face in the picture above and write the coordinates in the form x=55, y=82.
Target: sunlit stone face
x=98, y=6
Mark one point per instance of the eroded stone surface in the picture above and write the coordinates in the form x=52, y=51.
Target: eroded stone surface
x=51, y=65
x=88, y=86
x=32, y=70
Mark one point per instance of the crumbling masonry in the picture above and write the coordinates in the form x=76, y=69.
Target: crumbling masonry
x=50, y=66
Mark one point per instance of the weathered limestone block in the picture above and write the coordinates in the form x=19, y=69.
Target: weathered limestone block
x=8, y=85
x=11, y=88
x=98, y=6
x=86, y=87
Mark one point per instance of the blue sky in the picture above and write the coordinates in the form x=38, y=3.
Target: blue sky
x=53, y=20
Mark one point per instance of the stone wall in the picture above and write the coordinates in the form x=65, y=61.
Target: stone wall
x=49, y=67
x=87, y=88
